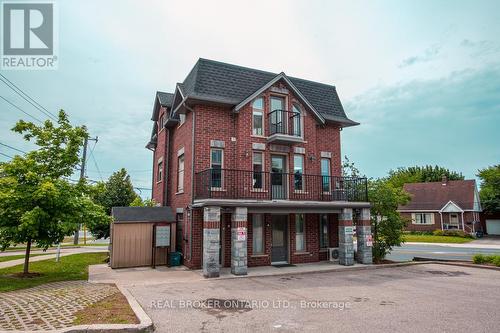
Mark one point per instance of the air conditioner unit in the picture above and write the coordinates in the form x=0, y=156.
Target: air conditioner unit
x=333, y=253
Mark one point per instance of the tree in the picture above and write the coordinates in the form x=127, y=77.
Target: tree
x=37, y=204
x=387, y=223
x=117, y=191
x=138, y=202
x=418, y=174
x=490, y=188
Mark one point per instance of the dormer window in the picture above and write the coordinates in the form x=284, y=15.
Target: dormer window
x=258, y=116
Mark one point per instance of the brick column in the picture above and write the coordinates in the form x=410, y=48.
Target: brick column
x=239, y=241
x=346, y=246
x=364, y=237
x=211, y=241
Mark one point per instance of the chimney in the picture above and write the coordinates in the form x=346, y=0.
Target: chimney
x=444, y=180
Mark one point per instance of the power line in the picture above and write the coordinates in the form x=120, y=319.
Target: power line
x=6, y=155
x=13, y=148
x=27, y=97
x=17, y=107
x=96, y=166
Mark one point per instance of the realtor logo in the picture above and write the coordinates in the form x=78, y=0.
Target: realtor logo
x=28, y=35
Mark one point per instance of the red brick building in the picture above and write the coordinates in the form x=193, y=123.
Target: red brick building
x=251, y=163
x=443, y=205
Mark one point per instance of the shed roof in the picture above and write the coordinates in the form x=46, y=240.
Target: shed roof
x=142, y=214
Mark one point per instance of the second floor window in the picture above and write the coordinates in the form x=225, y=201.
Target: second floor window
x=278, y=121
x=257, y=170
x=159, y=171
x=325, y=174
x=296, y=121
x=180, y=173
x=298, y=171
x=216, y=161
x=258, y=116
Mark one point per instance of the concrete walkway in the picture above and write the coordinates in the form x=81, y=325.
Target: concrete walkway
x=52, y=255
x=471, y=245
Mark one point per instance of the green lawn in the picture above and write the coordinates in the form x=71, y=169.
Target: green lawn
x=20, y=256
x=73, y=267
x=435, y=239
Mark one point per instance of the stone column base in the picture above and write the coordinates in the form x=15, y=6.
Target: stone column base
x=346, y=245
x=364, y=236
x=239, y=265
x=211, y=242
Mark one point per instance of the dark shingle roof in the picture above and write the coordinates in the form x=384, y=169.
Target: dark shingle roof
x=231, y=84
x=165, y=98
x=142, y=214
x=434, y=195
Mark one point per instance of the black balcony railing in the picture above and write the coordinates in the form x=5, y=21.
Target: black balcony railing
x=285, y=122
x=253, y=185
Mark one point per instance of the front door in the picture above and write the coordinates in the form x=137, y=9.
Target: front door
x=279, y=248
x=278, y=176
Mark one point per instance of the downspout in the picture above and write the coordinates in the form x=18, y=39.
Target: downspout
x=463, y=225
x=441, y=216
x=167, y=167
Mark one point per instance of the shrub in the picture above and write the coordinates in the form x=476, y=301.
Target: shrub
x=496, y=261
x=485, y=259
x=438, y=232
x=479, y=259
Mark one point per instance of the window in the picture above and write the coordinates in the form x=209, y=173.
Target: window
x=159, y=171
x=182, y=119
x=298, y=171
x=277, y=120
x=160, y=122
x=258, y=117
x=216, y=160
x=300, y=235
x=325, y=173
x=180, y=173
x=257, y=233
x=297, y=121
x=423, y=218
x=323, y=231
x=257, y=170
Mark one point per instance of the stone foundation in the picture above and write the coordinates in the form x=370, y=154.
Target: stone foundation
x=346, y=246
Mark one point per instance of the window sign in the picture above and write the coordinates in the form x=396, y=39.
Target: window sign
x=162, y=236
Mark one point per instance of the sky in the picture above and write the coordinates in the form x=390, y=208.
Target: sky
x=422, y=77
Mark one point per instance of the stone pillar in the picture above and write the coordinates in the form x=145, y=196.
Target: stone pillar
x=239, y=241
x=346, y=246
x=364, y=237
x=211, y=241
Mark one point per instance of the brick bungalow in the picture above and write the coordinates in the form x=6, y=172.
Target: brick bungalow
x=250, y=162
x=443, y=205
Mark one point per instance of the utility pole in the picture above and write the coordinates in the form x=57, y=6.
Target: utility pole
x=82, y=176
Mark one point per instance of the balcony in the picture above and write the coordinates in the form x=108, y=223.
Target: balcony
x=252, y=185
x=285, y=127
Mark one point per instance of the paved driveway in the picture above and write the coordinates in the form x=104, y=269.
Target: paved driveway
x=434, y=298
x=442, y=251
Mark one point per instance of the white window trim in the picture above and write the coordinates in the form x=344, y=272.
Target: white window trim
x=262, y=114
x=303, y=190
x=301, y=119
x=285, y=107
x=330, y=183
x=304, y=233
x=181, y=190
x=160, y=161
x=414, y=219
x=321, y=231
x=263, y=242
x=221, y=188
x=263, y=164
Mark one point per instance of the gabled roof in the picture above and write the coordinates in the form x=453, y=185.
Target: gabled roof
x=436, y=195
x=224, y=83
x=161, y=99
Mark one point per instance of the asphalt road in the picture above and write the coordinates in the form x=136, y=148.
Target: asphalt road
x=409, y=251
x=417, y=298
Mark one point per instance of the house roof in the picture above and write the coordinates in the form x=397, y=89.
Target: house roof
x=165, y=98
x=435, y=195
x=224, y=83
x=142, y=214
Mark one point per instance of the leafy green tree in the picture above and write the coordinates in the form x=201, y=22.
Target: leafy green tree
x=117, y=191
x=490, y=188
x=419, y=174
x=387, y=223
x=37, y=204
x=138, y=202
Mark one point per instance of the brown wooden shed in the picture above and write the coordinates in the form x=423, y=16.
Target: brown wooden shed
x=131, y=241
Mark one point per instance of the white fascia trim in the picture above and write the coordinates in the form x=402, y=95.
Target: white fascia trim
x=269, y=84
x=460, y=210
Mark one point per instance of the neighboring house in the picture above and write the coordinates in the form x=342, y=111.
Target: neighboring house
x=250, y=162
x=444, y=205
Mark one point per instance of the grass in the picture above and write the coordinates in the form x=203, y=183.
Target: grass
x=482, y=259
x=20, y=256
x=113, y=309
x=435, y=239
x=73, y=267
x=34, y=248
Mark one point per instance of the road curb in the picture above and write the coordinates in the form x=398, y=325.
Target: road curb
x=145, y=323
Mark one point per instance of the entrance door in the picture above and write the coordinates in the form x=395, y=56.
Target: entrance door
x=279, y=247
x=278, y=176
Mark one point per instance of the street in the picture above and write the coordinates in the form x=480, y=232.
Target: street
x=448, y=252
x=421, y=298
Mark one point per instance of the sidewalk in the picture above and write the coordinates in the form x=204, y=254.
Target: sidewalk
x=471, y=245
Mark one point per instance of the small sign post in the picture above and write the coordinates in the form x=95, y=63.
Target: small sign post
x=161, y=239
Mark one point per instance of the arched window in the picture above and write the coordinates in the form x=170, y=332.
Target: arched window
x=258, y=116
x=296, y=120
